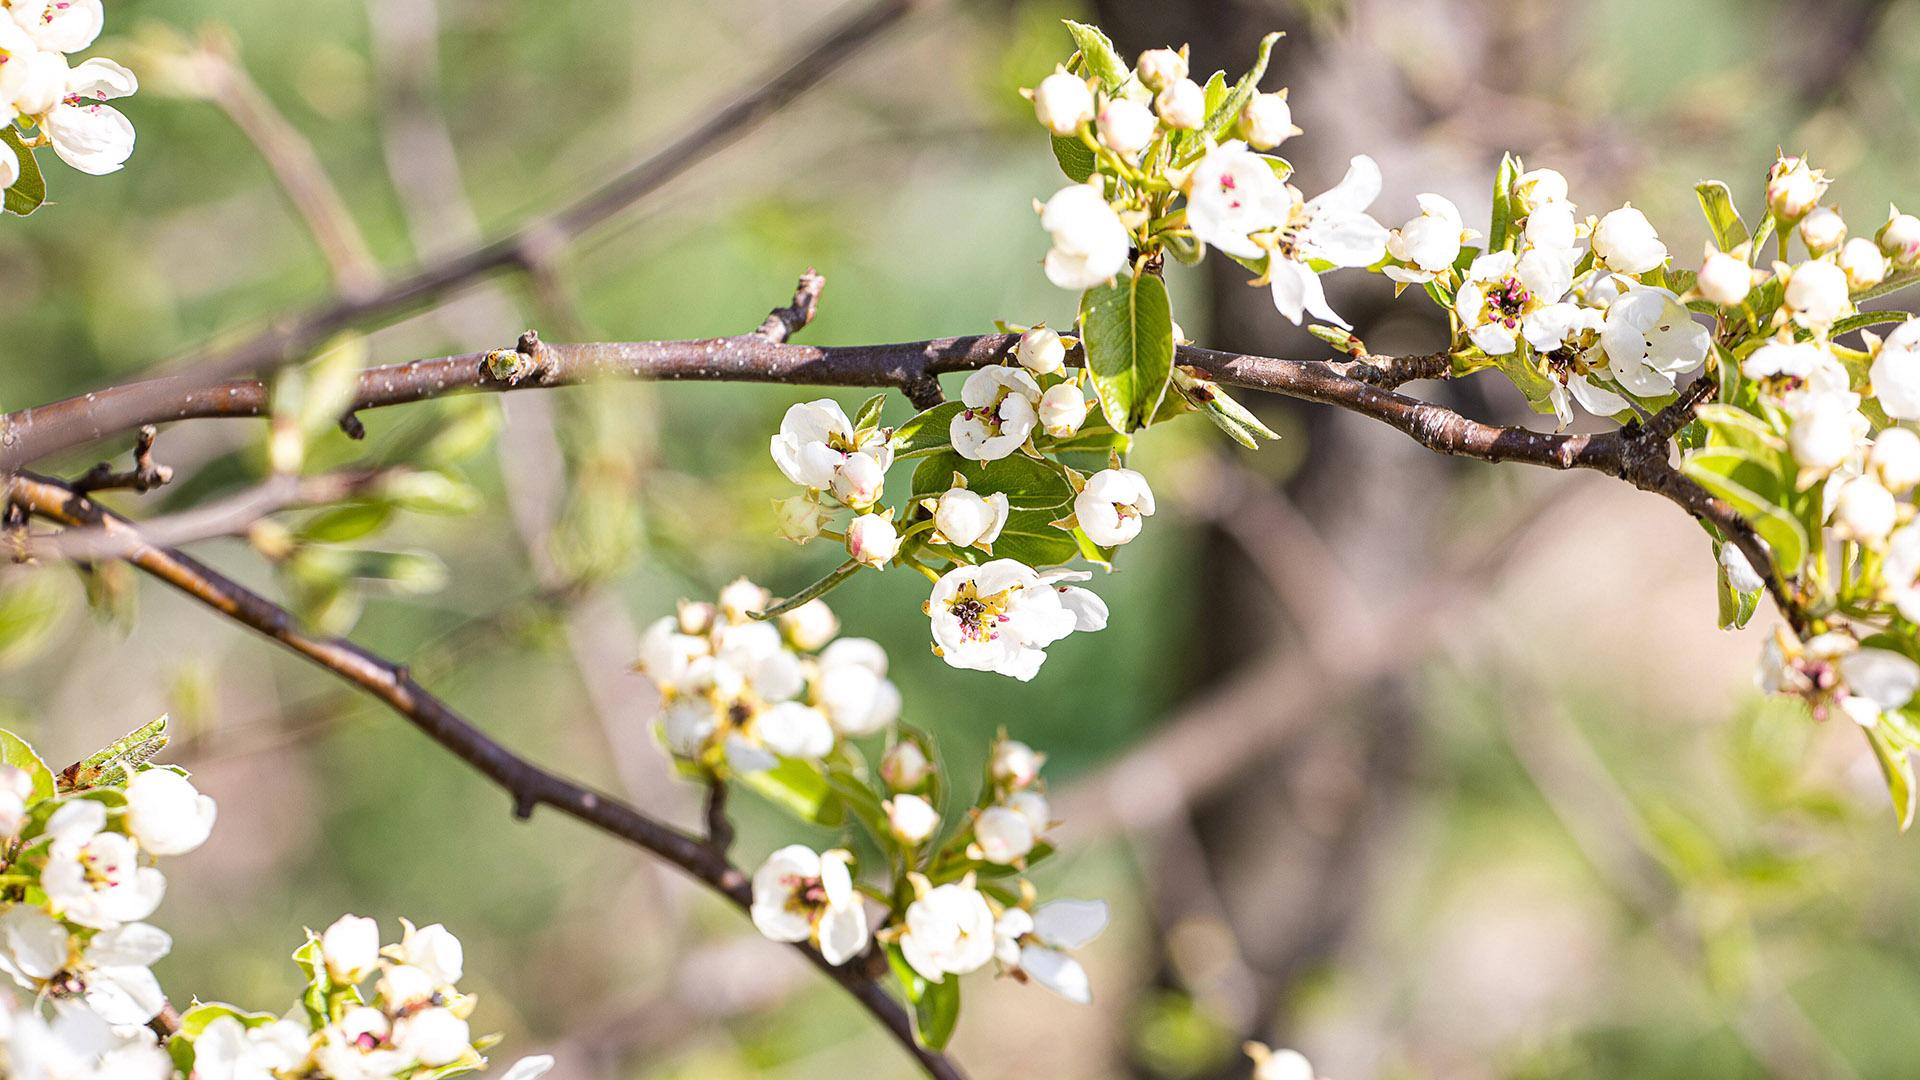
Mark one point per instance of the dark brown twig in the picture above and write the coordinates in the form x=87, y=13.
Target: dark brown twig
x=143, y=477
x=782, y=323
x=529, y=786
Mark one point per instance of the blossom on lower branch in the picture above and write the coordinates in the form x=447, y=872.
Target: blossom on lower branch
x=803, y=895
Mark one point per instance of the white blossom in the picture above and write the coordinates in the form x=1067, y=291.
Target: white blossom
x=1739, y=569
x=1041, y=351
x=16, y=787
x=1160, y=68
x=965, y=519
x=433, y=1036
x=1035, y=944
x=1003, y=834
x=1234, y=194
x=226, y=1049
x=1550, y=226
x=794, y=730
x=1090, y=243
x=166, y=814
x=1649, y=338
x=1877, y=681
x=1000, y=415
x=1724, y=278
x=351, y=948
x=1895, y=459
x=911, y=818
x=1332, y=227
x=852, y=689
x=1267, y=121
x=872, y=540
x=1279, y=1064
x=94, y=878
x=9, y=160
x=799, y=518
x=434, y=950
x=949, y=931
x=1817, y=293
x=1428, y=244
x=1863, y=263
x=1126, y=126
x=1063, y=408
x=403, y=986
x=813, y=438
x=905, y=766
x=1001, y=615
x=1113, y=505
x=1794, y=189
x=1502, y=290
x=810, y=626
x=1864, y=511
x=801, y=895
x=861, y=476
x=1537, y=188
x=1825, y=427
x=44, y=76
x=1016, y=764
x=63, y=26
x=78, y=1045
x=1626, y=242
x=88, y=135
x=1182, y=105
x=1822, y=230
x=1895, y=372
x=1899, y=239
x=1062, y=102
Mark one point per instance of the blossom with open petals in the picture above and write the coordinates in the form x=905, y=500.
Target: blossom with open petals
x=1112, y=506
x=1001, y=411
x=1034, y=945
x=1001, y=615
x=949, y=931
x=1649, y=338
x=802, y=895
x=92, y=877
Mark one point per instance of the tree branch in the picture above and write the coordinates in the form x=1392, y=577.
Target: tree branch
x=529, y=785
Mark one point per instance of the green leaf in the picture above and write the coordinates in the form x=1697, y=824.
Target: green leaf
x=928, y=432
x=912, y=984
x=1735, y=427
x=799, y=787
x=1897, y=767
x=937, y=1013
x=1735, y=607
x=1126, y=329
x=819, y=588
x=414, y=572
x=869, y=414
x=319, y=984
x=861, y=802
x=1223, y=115
x=1102, y=59
x=17, y=752
x=1751, y=488
x=352, y=521
x=30, y=610
x=1716, y=202
x=1866, y=319
x=1075, y=159
x=1501, y=229
x=29, y=192
x=430, y=492
x=1227, y=414
x=116, y=762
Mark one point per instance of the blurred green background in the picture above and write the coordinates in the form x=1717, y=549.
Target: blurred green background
x=1428, y=769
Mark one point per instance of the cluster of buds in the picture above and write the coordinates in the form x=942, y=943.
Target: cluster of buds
x=739, y=693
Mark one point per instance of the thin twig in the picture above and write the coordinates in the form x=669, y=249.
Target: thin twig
x=142, y=478
x=529, y=785
x=231, y=516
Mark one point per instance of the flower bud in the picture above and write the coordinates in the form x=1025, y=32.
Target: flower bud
x=1822, y=230
x=1817, y=293
x=810, y=626
x=351, y=948
x=1864, y=511
x=872, y=540
x=433, y=1037
x=911, y=818
x=1899, y=238
x=1063, y=409
x=434, y=950
x=1740, y=572
x=1895, y=459
x=1725, y=279
x=905, y=766
x=1041, y=351
x=1864, y=265
x=798, y=518
x=1016, y=764
x=1126, y=127
x=859, y=480
x=1793, y=190
x=1182, y=105
x=403, y=985
x=1161, y=68
x=1538, y=187
x=1626, y=241
x=1003, y=834
x=967, y=519
x=696, y=617
x=742, y=597
x=1063, y=102
x=1267, y=121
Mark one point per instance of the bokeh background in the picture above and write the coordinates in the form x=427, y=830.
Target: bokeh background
x=1428, y=768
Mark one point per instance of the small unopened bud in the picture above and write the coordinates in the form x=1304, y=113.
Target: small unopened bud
x=696, y=617
x=1900, y=240
x=799, y=518
x=1063, y=409
x=1793, y=189
x=872, y=540
x=810, y=626
x=1538, y=187
x=1126, y=127
x=905, y=766
x=911, y=818
x=742, y=597
x=1895, y=459
x=351, y=948
x=1863, y=263
x=1818, y=293
x=1864, y=511
x=1724, y=278
x=859, y=480
x=1183, y=105
x=1161, y=68
x=1041, y=351
x=1063, y=102
x=1822, y=230
x=1016, y=764
x=966, y=519
x=1267, y=121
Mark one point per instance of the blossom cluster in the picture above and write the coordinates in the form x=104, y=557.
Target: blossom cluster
x=77, y=887
x=51, y=101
